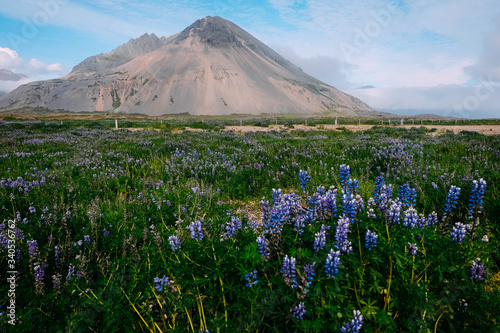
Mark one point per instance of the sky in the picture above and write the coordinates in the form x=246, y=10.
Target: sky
x=400, y=56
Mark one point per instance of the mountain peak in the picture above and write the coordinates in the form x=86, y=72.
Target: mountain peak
x=214, y=31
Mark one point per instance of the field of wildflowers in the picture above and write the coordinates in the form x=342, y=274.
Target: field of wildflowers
x=388, y=230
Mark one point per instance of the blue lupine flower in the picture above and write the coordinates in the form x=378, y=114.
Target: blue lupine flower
x=413, y=248
x=377, y=191
x=332, y=262
x=411, y=218
x=196, y=231
x=345, y=175
x=476, y=197
x=233, y=226
x=432, y=219
x=288, y=271
x=370, y=239
x=308, y=277
x=174, y=242
x=458, y=232
x=105, y=232
x=303, y=178
x=354, y=326
x=349, y=205
x=394, y=211
x=341, y=241
x=320, y=238
x=451, y=200
x=299, y=311
x=263, y=245
x=352, y=186
x=32, y=209
x=277, y=196
x=477, y=270
x=159, y=283
x=87, y=239
x=251, y=278
x=299, y=223
x=407, y=195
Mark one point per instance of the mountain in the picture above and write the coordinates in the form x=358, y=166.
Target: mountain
x=212, y=67
x=7, y=75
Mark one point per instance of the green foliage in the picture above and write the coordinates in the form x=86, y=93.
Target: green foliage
x=128, y=192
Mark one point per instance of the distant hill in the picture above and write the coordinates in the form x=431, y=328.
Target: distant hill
x=213, y=67
x=7, y=75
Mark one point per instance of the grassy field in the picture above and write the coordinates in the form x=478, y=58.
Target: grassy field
x=163, y=230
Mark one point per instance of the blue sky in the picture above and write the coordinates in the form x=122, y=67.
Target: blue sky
x=440, y=56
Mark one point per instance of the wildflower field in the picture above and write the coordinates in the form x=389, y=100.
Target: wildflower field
x=386, y=230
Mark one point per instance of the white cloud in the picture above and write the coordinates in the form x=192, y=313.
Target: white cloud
x=34, y=69
x=476, y=101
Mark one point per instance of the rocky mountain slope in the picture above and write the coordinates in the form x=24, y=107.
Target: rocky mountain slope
x=212, y=67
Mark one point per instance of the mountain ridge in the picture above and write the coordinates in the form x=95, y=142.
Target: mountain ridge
x=211, y=67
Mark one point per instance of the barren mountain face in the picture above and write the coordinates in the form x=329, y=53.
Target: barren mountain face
x=212, y=67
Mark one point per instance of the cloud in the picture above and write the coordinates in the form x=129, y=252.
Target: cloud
x=475, y=101
x=327, y=69
x=488, y=65
x=33, y=68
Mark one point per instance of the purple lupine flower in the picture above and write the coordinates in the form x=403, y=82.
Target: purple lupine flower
x=320, y=238
x=458, y=232
x=159, y=283
x=263, y=245
x=332, y=262
x=68, y=214
x=299, y=223
x=288, y=271
x=39, y=273
x=354, y=326
x=57, y=255
x=411, y=218
x=56, y=281
x=370, y=239
x=341, y=241
x=476, y=197
x=87, y=239
x=174, y=242
x=451, y=200
x=105, y=232
x=254, y=224
x=413, y=248
x=477, y=270
x=32, y=209
x=251, y=278
x=299, y=311
x=303, y=179
x=32, y=247
x=196, y=231
x=71, y=271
